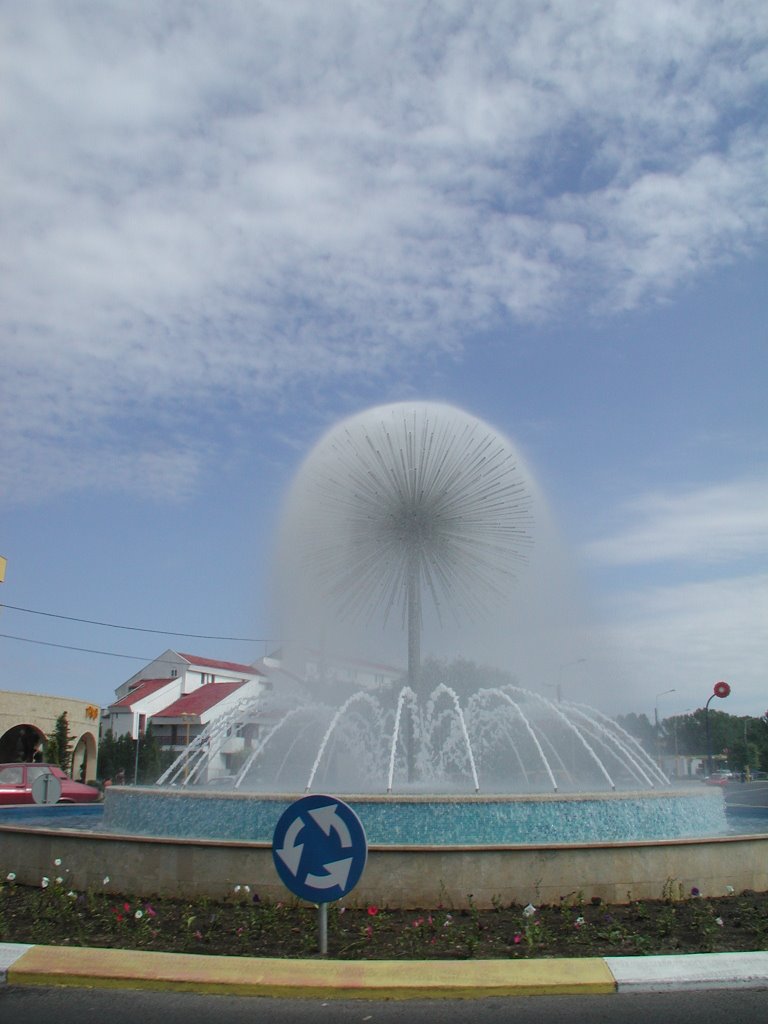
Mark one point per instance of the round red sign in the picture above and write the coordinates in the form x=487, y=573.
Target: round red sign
x=722, y=689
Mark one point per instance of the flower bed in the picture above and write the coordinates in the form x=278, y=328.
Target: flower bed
x=244, y=924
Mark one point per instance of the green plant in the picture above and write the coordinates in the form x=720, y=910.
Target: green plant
x=672, y=890
x=58, y=749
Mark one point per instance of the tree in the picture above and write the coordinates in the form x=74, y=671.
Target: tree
x=153, y=759
x=744, y=755
x=118, y=754
x=58, y=748
x=641, y=728
x=462, y=676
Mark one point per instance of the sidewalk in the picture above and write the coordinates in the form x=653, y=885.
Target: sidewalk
x=376, y=979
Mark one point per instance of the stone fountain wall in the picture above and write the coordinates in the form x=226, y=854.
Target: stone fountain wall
x=397, y=877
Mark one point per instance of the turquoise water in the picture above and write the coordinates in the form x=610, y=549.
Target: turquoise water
x=84, y=818
x=429, y=820
x=415, y=824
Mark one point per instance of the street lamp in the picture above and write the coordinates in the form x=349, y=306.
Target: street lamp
x=568, y=664
x=656, y=723
x=138, y=742
x=721, y=689
x=186, y=715
x=656, y=705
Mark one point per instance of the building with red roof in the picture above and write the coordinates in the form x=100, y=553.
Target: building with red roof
x=177, y=695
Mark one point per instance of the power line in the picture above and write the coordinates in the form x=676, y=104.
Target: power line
x=133, y=629
x=86, y=650
x=68, y=647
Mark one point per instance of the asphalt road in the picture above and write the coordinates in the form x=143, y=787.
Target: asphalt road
x=83, y=1006
x=748, y=794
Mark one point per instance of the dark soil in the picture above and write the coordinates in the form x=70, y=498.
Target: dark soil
x=244, y=925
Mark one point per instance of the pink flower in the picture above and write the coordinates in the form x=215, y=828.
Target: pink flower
x=372, y=911
x=518, y=938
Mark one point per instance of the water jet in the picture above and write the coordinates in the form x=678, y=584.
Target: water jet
x=406, y=520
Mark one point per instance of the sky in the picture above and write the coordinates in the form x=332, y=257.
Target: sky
x=226, y=226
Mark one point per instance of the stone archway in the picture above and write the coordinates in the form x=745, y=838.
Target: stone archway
x=84, y=758
x=20, y=742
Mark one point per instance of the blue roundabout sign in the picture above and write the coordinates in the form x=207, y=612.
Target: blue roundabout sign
x=319, y=848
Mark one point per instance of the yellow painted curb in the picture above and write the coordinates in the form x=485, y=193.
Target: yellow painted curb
x=334, y=979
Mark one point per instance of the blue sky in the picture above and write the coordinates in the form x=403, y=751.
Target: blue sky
x=228, y=225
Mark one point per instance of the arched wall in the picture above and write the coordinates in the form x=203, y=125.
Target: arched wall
x=18, y=743
x=84, y=757
x=38, y=713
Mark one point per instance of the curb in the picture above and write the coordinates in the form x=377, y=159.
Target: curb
x=376, y=979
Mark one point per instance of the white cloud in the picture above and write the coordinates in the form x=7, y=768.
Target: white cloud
x=707, y=525
x=234, y=197
x=691, y=635
x=711, y=623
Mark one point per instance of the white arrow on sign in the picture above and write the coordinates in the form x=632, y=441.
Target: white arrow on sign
x=338, y=872
x=327, y=818
x=291, y=851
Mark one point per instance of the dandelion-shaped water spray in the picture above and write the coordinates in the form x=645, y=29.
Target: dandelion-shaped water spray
x=411, y=501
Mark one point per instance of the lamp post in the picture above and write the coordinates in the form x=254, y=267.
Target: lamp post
x=656, y=722
x=568, y=664
x=138, y=741
x=656, y=706
x=186, y=716
x=721, y=690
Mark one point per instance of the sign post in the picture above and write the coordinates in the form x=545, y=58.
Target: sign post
x=320, y=850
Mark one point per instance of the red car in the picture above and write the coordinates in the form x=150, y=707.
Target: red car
x=16, y=784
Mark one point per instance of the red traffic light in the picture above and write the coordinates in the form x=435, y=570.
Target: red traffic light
x=722, y=689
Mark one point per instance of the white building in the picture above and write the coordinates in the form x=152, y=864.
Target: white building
x=176, y=696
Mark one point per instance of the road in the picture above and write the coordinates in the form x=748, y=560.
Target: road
x=83, y=1006
x=747, y=794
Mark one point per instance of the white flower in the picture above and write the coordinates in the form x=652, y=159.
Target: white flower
x=237, y=888
x=246, y=888
x=59, y=880
x=45, y=882
x=529, y=911
x=57, y=862
x=139, y=914
x=729, y=890
x=106, y=880
x=11, y=876
x=72, y=895
x=719, y=920
x=579, y=922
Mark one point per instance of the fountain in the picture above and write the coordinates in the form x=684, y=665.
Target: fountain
x=406, y=522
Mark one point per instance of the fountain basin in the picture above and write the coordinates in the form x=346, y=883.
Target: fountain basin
x=395, y=876
x=428, y=820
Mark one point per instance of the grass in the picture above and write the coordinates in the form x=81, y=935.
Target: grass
x=244, y=925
